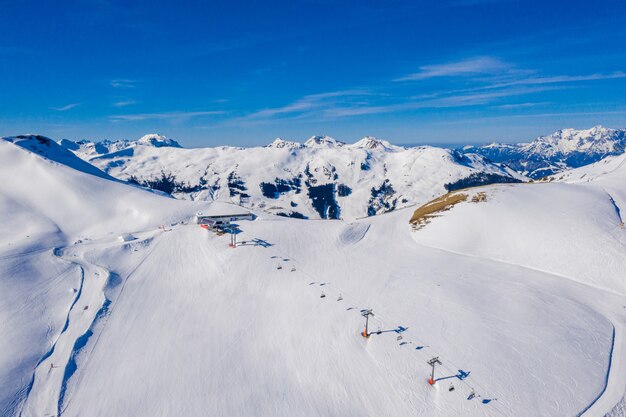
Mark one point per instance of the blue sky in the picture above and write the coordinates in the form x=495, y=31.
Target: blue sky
x=244, y=72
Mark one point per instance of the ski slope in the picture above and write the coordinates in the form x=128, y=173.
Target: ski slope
x=177, y=323
x=49, y=200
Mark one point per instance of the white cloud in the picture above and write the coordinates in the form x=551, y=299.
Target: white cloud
x=560, y=79
x=66, y=107
x=122, y=83
x=124, y=103
x=469, y=67
x=310, y=102
x=175, y=115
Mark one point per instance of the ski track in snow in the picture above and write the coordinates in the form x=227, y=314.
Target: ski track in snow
x=54, y=391
x=617, y=208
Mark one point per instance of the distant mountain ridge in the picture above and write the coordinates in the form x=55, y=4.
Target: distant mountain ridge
x=87, y=149
x=547, y=155
x=320, y=178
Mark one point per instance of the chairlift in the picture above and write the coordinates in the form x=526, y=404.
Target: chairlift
x=323, y=295
x=279, y=267
x=339, y=298
x=293, y=268
x=451, y=387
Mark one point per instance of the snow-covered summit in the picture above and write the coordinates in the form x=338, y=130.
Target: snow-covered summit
x=323, y=142
x=371, y=143
x=87, y=149
x=158, y=141
x=280, y=143
x=597, y=139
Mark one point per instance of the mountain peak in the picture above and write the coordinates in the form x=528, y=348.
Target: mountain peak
x=158, y=141
x=280, y=143
x=323, y=142
x=371, y=142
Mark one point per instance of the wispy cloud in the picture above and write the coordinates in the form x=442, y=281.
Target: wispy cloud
x=560, y=79
x=312, y=102
x=66, y=107
x=350, y=103
x=122, y=83
x=175, y=115
x=469, y=67
x=522, y=105
x=451, y=101
x=124, y=103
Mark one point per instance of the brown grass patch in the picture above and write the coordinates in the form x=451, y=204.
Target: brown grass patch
x=423, y=215
x=479, y=197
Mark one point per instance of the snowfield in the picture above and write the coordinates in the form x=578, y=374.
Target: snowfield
x=520, y=295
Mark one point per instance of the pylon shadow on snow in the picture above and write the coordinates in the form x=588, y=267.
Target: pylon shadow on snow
x=255, y=242
x=398, y=330
x=461, y=375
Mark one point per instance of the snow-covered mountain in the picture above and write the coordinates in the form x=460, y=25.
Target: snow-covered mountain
x=518, y=290
x=87, y=149
x=322, y=178
x=562, y=150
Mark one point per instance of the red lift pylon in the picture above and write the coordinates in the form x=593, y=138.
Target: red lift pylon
x=366, y=313
x=432, y=363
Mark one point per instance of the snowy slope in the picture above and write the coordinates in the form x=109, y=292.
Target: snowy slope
x=562, y=150
x=50, y=150
x=322, y=178
x=50, y=198
x=608, y=175
x=563, y=229
x=199, y=328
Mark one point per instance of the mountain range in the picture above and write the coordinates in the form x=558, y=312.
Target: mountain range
x=328, y=179
x=562, y=150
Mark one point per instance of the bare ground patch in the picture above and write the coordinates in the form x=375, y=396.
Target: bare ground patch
x=424, y=214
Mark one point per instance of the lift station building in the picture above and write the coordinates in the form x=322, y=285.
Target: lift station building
x=219, y=215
